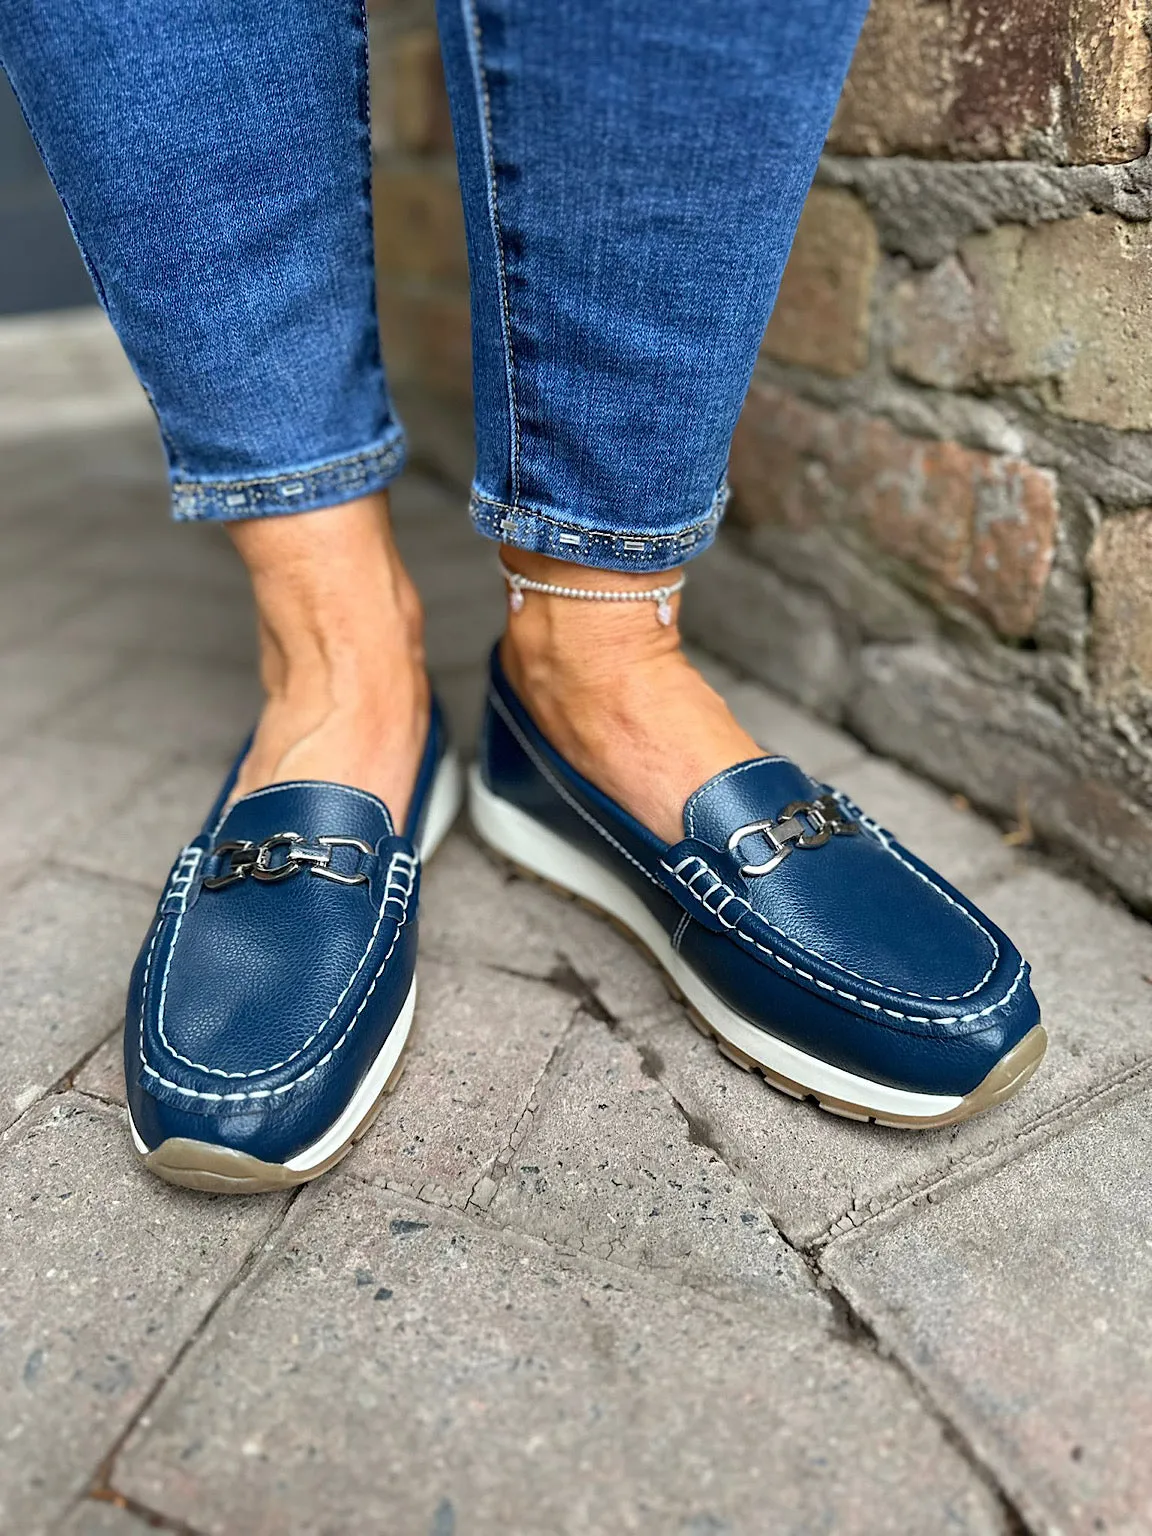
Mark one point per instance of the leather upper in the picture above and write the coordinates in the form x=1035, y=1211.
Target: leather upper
x=257, y=1004
x=853, y=949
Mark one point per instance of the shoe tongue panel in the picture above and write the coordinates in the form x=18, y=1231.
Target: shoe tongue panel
x=752, y=791
x=263, y=967
x=850, y=900
x=311, y=808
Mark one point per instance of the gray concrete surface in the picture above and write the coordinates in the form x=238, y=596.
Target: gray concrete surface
x=585, y=1275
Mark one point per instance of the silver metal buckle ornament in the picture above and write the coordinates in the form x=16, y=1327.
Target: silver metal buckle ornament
x=803, y=824
x=282, y=856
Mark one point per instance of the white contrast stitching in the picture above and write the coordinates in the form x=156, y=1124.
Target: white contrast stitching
x=268, y=1093
x=373, y=800
x=912, y=1018
x=887, y=842
x=685, y=919
x=499, y=706
x=925, y=997
x=893, y=1013
x=717, y=885
x=182, y=878
x=400, y=861
x=690, y=803
x=484, y=105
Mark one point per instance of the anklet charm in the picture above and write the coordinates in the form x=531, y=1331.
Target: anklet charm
x=661, y=596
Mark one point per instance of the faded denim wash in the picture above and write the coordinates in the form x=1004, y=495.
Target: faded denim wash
x=632, y=174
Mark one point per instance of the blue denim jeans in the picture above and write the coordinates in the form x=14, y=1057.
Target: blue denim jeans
x=632, y=173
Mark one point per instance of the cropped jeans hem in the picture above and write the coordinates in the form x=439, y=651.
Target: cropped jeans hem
x=303, y=488
x=610, y=549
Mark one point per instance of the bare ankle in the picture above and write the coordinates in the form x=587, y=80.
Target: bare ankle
x=341, y=651
x=330, y=591
x=556, y=647
x=611, y=688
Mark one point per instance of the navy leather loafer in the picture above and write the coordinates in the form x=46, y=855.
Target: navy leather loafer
x=275, y=990
x=803, y=936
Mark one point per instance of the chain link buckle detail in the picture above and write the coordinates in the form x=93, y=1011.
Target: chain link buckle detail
x=260, y=861
x=803, y=824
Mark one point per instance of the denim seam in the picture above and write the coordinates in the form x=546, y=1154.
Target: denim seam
x=690, y=534
x=370, y=205
x=213, y=499
x=484, y=104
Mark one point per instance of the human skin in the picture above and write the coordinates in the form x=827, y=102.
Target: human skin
x=340, y=629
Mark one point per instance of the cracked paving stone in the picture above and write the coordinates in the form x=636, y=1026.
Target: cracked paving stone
x=139, y=838
x=104, y=1272
x=172, y=704
x=480, y=1044
x=611, y=1167
x=67, y=943
x=472, y=910
x=814, y=1172
x=382, y=1373
x=51, y=803
x=102, y=1075
x=96, y=1517
x=1023, y=1302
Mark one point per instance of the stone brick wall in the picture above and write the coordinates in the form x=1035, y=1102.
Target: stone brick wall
x=941, y=530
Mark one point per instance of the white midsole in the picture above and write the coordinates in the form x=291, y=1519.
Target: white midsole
x=444, y=803
x=443, y=808
x=526, y=841
x=370, y=1089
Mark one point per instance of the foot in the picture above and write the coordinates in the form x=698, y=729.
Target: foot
x=803, y=937
x=612, y=690
x=341, y=653
x=273, y=996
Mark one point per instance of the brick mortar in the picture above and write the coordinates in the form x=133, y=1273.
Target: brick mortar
x=924, y=208
x=968, y=649
x=923, y=211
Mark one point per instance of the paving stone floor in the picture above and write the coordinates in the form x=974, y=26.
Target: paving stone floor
x=585, y=1275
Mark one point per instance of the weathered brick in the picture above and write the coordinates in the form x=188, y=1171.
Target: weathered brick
x=933, y=327
x=997, y=741
x=1063, y=309
x=1066, y=82
x=822, y=314
x=420, y=118
x=419, y=224
x=977, y=527
x=1066, y=309
x=1120, y=565
x=427, y=338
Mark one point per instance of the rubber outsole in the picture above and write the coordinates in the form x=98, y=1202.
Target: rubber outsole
x=1006, y=1078
x=225, y=1171
x=206, y=1166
